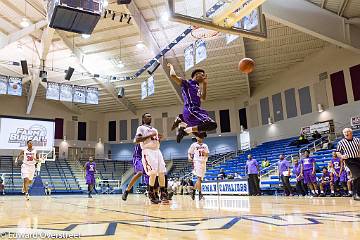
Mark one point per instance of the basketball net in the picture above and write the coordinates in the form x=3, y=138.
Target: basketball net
x=203, y=33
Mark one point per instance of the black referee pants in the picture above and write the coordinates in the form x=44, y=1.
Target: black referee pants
x=354, y=166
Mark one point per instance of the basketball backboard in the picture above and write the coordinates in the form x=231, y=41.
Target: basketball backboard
x=236, y=17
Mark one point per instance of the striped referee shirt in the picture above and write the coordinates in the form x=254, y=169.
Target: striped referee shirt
x=349, y=147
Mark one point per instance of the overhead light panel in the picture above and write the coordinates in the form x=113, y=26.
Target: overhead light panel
x=25, y=22
x=85, y=36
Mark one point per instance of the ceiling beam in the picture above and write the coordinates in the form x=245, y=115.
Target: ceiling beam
x=342, y=7
x=323, y=3
x=151, y=42
x=13, y=37
x=304, y=16
x=43, y=51
x=107, y=86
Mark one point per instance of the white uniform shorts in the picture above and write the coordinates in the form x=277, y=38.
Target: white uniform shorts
x=153, y=161
x=199, y=169
x=27, y=171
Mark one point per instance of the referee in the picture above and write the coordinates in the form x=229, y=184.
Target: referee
x=348, y=149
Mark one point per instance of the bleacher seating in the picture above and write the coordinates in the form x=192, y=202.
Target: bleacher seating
x=110, y=169
x=268, y=150
x=57, y=173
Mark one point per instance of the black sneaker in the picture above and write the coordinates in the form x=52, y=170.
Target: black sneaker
x=125, y=195
x=332, y=195
x=153, y=198
x=322, y=195
x=193, y=195
x=315, y=195
x=89, y=196
x=164, y=198
x=349, y=195
x=181, y=134
x=176, y=123
x=170, y=195
x=201, y=196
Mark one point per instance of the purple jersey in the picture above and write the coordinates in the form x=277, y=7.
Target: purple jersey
x=283, y=166
x=296, y=170
x=326, y=177
x=252, y=166
x=90, y=168
x=336, y=163
x=191, y=93
x=307, y=163
x=137, y=156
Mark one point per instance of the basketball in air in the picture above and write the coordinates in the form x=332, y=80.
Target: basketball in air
x=14, y=86
x=246, y=65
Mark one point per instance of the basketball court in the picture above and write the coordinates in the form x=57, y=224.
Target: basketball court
x=78, y=77
x=108, y=217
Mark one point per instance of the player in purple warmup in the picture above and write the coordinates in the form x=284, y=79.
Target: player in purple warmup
x=326, y=183
x=90, y=170
x=138, y=170
x=338, y=176
x=308, y=172
x=194, y=119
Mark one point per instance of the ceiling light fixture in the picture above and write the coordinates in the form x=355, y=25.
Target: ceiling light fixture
x=165, y=17
x=25, y=22
x=85, y=36
x=140, y=45
x=105, y=3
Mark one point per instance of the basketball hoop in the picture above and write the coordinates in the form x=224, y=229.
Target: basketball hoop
x=203, y=33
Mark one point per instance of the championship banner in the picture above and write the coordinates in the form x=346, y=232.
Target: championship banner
x=151, y=86
x=231, y=187
x=53, y=91
x=355, y=122
x=143, y=90
x=200, y=51
x=189, y=57
x=14, y=133
x=66, y=93
x=3, y=84
x=245, y=141
x=92, y=95
x=79, y=94
x=14, y=86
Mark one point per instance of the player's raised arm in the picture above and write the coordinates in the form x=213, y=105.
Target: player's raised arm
x=204, y=90
x=173, y=75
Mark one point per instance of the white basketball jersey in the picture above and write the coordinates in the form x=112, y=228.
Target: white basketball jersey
x=150, y=143
x=29, y=157
x=199, y=151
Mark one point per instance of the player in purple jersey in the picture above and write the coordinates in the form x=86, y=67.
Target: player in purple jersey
x=308, y=172
x=90, y=170
x=326, y=183
x=300, y=187
x=338, y=176
x=194, y=119
x=138, y=170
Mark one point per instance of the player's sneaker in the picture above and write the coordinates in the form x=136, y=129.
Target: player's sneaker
x=153, y=198
x=89, y=196
x=348, y=195
x=181, y=134
x=170, y=195
x=322, y=195
x=125, y=195
x=193, y=195
x=176, y=123
x=27, y=196
x=332, y=195
x=164, y=198
x=201, y=196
